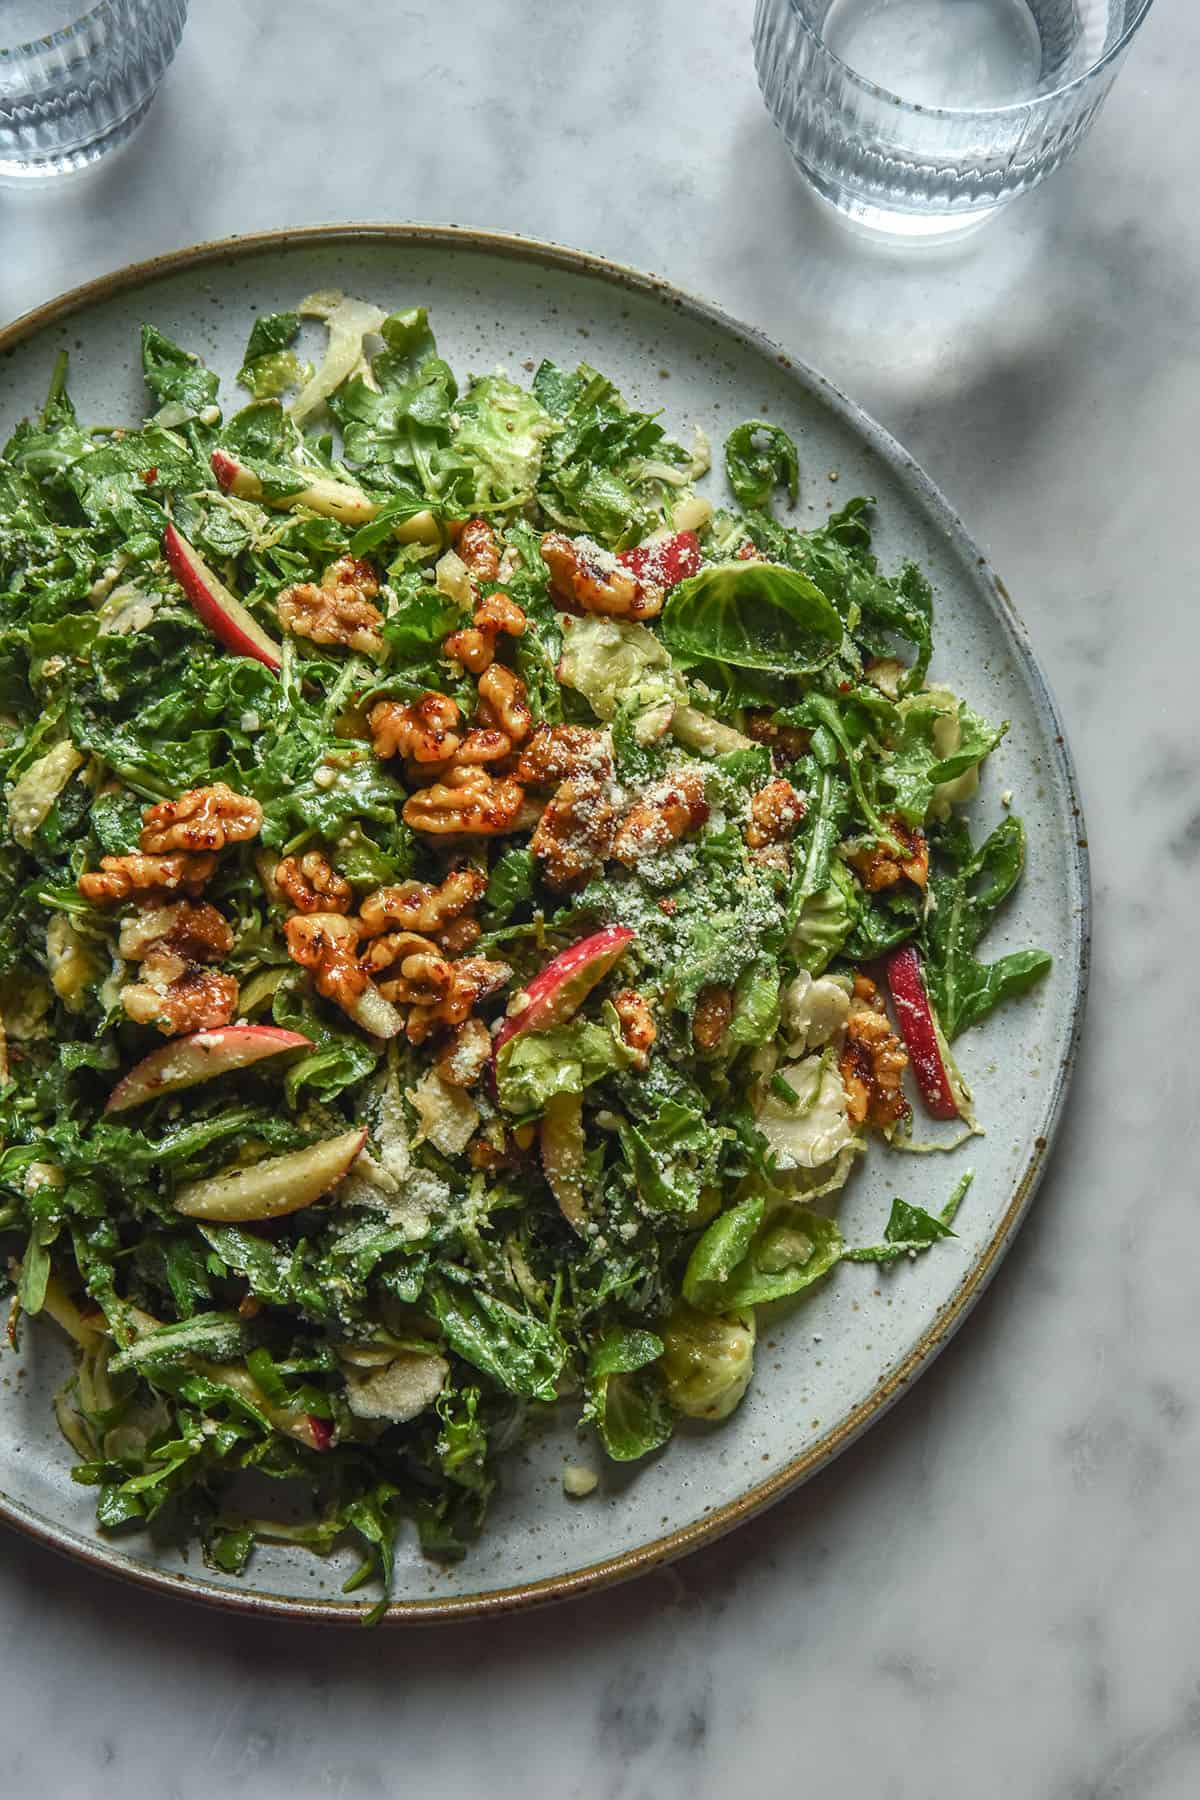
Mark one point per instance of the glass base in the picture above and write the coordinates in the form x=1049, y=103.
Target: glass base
x=900, y=225
x=17, y=171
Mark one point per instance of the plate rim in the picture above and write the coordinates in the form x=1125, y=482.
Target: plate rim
x=642, y=1558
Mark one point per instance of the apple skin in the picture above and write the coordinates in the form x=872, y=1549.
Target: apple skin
x=559, y=990
x=919, y=1031
x=269, y=1189
x=320, y=493
x=215, y=606
x=199, y=1057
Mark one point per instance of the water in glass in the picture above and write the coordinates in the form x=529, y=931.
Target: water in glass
x=921, y=117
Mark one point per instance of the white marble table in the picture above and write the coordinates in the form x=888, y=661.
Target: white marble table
x=993, y=1594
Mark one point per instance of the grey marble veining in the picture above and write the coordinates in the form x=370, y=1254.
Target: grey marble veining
x=992, y=1594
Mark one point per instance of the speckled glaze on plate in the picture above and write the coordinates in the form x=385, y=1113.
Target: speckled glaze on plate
x=832, y=1364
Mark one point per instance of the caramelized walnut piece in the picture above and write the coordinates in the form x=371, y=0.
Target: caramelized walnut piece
x=339, y=611
x=467, y=801
x=419, y=906
x=575, y=833
x=467, y=1054
x=637, y=1024
x=472, y=979
x=878, y=866
x=459, y=935
x=872, y=1061
x=583, y=574
x=775, y=812
x=503, y=703
x=423, y=732
x=311, y=884
x=137, y=873
x=325, y=944
x=710, y=1021
x=205, y=818
x=192, y=929
x=555, y=752
x=783, y=740
x=666, y=813
x=475, y=645
x=475, y=542
x=176, y=995
x=408, y=968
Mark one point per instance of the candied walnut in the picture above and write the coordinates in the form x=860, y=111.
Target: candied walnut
x=459, y=935
x=477, y=547
x=783, y=740
x=339, y=611
x=424, y=732
x=472, y=979
x=192, y=929
x=637, y=1024
x=419, y=906
x=482, y=746
x=467, y=801
x=311, y=884
x=583, y=574
x=576, y=831
x=408, y=968
x=502, y=702
x=176, y=995
x=872, y=1061
x=879, y=866
x=555, y=752
x=205, y=818
x=775, y=812
x=710, y=1021
x=467, y=1054
x=475, y=645
x=325, y=944
x=666, y=813
x=137, y=873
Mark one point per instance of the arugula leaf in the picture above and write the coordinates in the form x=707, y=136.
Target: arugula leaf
x=178, y=379
x=758, y=458
x=966, y=900
x=522, y=1353
x=910, y=1229
x=510, y=884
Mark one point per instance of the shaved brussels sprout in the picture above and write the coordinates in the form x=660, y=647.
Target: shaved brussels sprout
x=707, y=1360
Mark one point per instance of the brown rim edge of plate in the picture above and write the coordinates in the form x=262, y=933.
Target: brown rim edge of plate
x=654, y=1555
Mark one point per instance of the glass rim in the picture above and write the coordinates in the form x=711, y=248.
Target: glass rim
x=50, y=40
x=916, y=110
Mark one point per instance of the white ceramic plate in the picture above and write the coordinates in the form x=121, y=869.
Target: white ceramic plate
x=834, y=1363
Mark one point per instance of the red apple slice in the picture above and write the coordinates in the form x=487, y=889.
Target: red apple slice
x=560, y=1139
x=306, y=1428
x=199, y=1057
x=374, y=1014
x=559, y=990
x=220, y=610
x=918, y=1028
x=320, y=493
x=269, y=1189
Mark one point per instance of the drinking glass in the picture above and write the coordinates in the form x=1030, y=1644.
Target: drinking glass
x=74, y=84
x=920, y=118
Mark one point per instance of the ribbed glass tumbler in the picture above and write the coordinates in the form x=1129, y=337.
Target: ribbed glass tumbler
x=75, y=83
x=920, y=118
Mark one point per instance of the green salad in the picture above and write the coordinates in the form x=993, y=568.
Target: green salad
x=468, y=901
